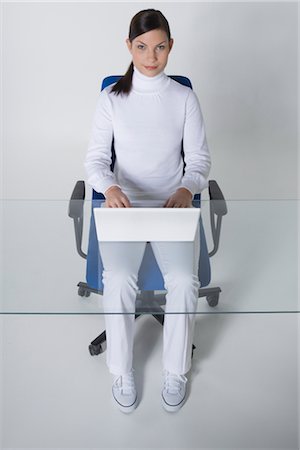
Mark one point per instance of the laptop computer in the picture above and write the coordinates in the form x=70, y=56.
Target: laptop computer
x=146, y=224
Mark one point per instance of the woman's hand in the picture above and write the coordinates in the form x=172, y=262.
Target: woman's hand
x=181, y=199
x=115, y=198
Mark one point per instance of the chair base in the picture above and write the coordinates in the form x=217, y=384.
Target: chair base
x=144, y=306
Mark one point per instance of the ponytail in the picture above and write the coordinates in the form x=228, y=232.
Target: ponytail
x=125, y=82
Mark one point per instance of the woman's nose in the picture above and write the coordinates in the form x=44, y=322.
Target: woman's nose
x=152, y=55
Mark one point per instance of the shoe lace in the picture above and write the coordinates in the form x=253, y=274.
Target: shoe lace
x=126, y=383
x=173, y=383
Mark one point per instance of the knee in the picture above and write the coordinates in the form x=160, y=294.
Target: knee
x=119, y=279
x=183, y=282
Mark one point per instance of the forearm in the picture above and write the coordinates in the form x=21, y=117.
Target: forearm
x=197, y=169
x=98, y=158
x=196, y=152
x=97, y=166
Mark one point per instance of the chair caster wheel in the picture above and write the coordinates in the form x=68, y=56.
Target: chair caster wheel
x=95, y=349
x=212, y=300
x=83, y=292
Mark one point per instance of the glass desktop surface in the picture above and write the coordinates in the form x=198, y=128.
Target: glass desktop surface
x=256, y=266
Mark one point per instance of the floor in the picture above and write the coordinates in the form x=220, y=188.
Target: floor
x=243, y=386
x=244, y=382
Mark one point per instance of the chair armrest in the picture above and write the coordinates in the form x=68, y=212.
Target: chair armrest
x=218, y=207
x=77, y=200
x=75, y=211
x=217, y=198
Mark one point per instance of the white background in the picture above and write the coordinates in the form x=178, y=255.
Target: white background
x=241, y=58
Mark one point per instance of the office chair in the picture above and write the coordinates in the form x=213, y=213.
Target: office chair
x=150, y=278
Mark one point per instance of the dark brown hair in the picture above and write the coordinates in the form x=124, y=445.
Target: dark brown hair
x=143, y=21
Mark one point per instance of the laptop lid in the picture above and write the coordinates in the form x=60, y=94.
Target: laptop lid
x=146, y=224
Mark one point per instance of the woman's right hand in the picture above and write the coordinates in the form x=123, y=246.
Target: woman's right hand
x=115, y=198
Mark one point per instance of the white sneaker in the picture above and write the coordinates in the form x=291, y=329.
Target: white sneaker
x=124, y=392
x=174, y=391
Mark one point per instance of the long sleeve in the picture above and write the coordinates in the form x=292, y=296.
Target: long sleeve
x=98, y=158
x=196, y=153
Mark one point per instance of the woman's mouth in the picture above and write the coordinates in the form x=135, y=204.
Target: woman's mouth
x=151, y=67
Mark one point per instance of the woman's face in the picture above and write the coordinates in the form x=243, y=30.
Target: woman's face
x=150, y=51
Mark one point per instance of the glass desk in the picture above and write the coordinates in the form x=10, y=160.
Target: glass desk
x=256, y=266
x=244, y=382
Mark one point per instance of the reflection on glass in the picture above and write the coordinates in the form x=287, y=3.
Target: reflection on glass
x=254, y=270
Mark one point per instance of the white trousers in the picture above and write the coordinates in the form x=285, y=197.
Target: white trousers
x=178, y=262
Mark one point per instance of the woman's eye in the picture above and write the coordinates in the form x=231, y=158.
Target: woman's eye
x=142, y=47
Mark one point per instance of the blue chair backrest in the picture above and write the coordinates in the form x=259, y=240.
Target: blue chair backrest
x=150, y=277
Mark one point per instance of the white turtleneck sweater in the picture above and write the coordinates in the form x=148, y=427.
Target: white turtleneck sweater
x=148, y=126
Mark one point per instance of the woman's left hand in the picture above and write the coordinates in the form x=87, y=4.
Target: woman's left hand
x=181, y=199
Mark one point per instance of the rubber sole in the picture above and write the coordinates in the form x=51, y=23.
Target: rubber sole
x=125, y=409
x=171, y=408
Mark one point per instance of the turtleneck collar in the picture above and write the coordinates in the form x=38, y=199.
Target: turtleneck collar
x=148, y=85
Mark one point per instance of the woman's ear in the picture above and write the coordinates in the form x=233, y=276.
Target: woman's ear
x=129, y=44
x=171, y=42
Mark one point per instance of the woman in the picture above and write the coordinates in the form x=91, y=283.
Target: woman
x=150, y=116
